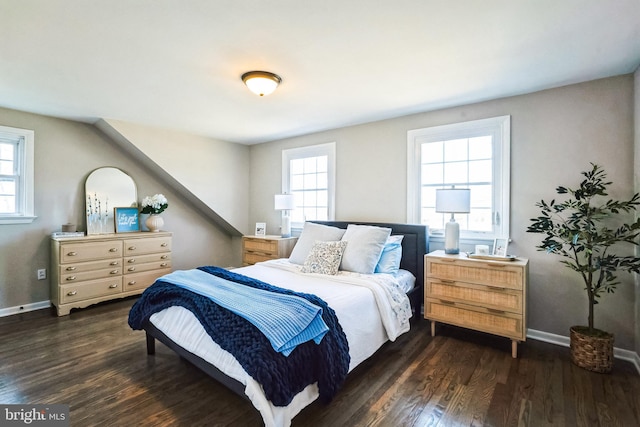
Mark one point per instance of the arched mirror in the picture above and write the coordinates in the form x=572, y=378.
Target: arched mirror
x=105, y=189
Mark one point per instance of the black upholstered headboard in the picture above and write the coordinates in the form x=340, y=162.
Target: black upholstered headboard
x=415, y=244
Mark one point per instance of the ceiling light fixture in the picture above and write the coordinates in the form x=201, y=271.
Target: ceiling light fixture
x=261, y=82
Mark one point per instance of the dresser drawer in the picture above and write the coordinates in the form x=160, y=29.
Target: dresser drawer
x=142, y=259
x=89, y=251
x=147, y=245
x=487, y=296
x=89, y=275
x=263, y=246
x=486, y=273
x=142, y=280
x=90, y=266
x=253, y=257
x=482, y=319
x=155, y=265
x=90, y=289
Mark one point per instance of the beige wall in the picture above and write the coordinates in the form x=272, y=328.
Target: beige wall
x=554, y=135
x=214, y=171
x=65, y=153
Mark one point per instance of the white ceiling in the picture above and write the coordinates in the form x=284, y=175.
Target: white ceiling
x=177, y=63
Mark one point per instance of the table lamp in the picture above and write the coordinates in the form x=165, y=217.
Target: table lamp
x=285, y=203
x=453, y=201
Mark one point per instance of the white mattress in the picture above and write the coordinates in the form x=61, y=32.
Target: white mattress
x=360, y=311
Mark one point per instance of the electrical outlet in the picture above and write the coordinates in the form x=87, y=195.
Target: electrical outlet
x=42, y=273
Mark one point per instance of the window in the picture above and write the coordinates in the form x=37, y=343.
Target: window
x=472, y=155
x=309, y=174
x=16, y=175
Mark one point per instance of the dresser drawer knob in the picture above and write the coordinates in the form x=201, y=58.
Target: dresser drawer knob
x=132, y=248
x=164, y=257
x=131, y=261
x=72, y=254
x=113, y=250
x=444, y=301
x=72, y=293
x=131, y=283
x=113, y=286
x=71, y=269
x=114, y=263
x=70, y=278
x=131, y=269
x=164, y=245
x=114, y=272
x=164, y=264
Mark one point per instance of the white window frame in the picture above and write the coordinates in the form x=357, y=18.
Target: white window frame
x=500, y=128
x=25, y=211
x=328, y=149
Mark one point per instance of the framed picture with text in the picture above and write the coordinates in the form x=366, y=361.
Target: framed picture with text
x=261, y=228
x=126, y=220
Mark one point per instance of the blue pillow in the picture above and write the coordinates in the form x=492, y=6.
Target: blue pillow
x=391, y=255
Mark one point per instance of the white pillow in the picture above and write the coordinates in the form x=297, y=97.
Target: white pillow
x=324, y=258
x=364, y=249
x=312, y=233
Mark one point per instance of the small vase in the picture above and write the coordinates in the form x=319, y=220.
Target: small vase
x=154, y=222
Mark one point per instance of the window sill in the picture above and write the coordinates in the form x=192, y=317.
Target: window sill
x=17, y=220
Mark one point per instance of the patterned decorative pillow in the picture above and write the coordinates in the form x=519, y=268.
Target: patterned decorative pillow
x=324, y=257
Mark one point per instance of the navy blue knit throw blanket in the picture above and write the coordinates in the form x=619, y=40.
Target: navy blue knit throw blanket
x=281, y=377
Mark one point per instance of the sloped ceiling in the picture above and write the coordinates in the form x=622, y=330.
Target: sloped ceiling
x=177, y=64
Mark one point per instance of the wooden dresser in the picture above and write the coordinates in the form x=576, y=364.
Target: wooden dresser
x=485, y=295
x=263, y=248
x=91, y=269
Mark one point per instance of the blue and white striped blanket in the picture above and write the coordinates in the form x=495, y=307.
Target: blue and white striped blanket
x=286, y=320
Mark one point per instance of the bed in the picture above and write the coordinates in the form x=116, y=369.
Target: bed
x=352, y=296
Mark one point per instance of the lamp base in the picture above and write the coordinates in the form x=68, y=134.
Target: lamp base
x=452, y=237
x=285, y=228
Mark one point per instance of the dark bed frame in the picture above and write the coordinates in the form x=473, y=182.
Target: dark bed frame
x=415, y=245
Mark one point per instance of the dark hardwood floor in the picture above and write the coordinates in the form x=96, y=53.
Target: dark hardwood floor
x=92, y=361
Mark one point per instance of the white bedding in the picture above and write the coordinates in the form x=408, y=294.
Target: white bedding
x=370, y=308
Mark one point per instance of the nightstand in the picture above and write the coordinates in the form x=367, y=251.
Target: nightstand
x=263, y=248
x=484, y=295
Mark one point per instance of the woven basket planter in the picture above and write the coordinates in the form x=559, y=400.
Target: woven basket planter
x=594, y=353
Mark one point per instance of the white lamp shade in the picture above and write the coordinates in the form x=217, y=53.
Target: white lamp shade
x=453, y=200
x=261, y=82
x=284, y=202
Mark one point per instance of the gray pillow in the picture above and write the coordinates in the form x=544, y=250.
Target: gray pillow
x=364, y=249
x=312, y=233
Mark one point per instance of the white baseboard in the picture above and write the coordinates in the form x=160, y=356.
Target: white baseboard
x=561, y=340
x=9, y=311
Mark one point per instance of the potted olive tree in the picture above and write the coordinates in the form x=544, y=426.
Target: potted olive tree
x=584, y=229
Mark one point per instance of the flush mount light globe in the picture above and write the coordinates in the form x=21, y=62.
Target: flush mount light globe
x=261, y=82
